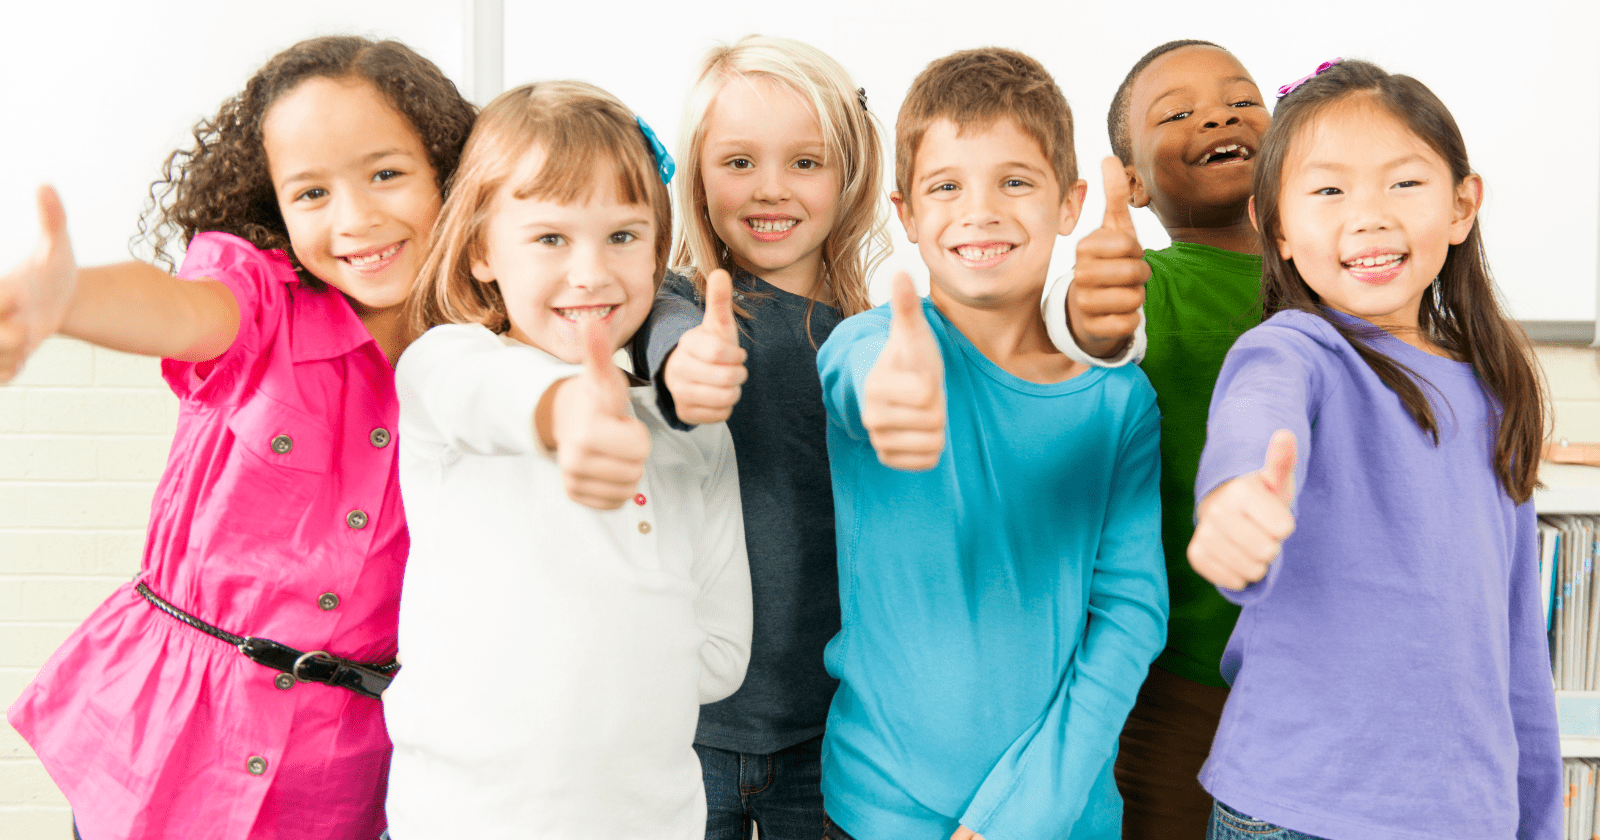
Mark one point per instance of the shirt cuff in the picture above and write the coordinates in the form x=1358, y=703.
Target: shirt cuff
x=1054, y=310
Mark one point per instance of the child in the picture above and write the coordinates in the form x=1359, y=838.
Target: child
x=784, y=172
x=1390, y=675
x=1187, y=121
x=555, y=656
x=306, y=207
x=1001, y=579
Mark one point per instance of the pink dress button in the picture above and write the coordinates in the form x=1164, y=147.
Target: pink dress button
x=639, y=499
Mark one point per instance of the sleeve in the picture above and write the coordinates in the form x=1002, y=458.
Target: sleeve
x=674, y=312
x=1041, y=785
x=1539, y=782
x=1270, y=380
x=723, y=574
x=1054, y=310
x=843, y=363
x=462, y=387
x=259, y=281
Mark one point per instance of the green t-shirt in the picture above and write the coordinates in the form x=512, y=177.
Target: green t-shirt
x=1198, y=301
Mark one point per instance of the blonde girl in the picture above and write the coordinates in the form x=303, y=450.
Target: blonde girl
x=782, y=223
x=556, y=655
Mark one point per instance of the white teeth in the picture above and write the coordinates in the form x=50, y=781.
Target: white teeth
x=1370, y=262
x=1244, y=152
x=585, y=313
x=771, y=225
x=369, y=259
x=976, y=254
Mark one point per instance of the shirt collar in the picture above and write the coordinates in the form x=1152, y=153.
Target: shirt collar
x=325, y=325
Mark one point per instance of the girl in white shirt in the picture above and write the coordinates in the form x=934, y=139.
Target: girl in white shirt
x=555, y=655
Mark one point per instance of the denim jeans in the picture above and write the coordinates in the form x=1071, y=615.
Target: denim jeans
x=1228, y=824
x=832, y=831
x=780, y=793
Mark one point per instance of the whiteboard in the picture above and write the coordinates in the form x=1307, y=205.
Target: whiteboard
x=94, y=95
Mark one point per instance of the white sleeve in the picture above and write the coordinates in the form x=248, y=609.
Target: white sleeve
x=1054, y=310
x=722, y=571
x=463, y=387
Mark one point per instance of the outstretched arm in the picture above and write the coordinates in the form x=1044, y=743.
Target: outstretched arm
x=132, y=306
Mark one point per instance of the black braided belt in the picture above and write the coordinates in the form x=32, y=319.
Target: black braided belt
x=365, y=679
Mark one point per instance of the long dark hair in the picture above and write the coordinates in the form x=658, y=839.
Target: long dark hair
x=1462, y=314
x=223, y=184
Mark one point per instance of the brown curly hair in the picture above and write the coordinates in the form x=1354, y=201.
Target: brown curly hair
x=223, y=184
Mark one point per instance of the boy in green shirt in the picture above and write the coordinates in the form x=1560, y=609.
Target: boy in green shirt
x=1185, y=126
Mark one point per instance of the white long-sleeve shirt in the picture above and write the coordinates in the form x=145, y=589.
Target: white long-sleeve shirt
x=554, y=656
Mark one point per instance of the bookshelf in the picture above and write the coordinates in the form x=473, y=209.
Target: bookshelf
x=1573, y=488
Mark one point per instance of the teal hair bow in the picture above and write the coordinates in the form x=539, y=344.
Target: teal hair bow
x=664, y=164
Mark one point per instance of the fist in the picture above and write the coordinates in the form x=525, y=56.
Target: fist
x=1108, y=279
x=902, y=402
x=705, y=373
x=601, y=448
x=1242, y=524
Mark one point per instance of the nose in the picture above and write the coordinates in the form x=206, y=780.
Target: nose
x=1369, y=211
x=588, y=268
x=355, y=212
x=1218, y=119
x=771, y=185
x=978, y=206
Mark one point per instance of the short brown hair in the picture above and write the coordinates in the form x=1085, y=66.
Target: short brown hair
x=974, y=89
x=586, y=133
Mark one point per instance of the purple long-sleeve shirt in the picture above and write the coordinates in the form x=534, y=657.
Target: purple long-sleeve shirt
x=1390, y=673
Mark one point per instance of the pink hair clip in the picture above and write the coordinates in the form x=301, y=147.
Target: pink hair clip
x=1321, y=68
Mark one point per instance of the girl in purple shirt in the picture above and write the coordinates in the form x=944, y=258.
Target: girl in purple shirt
x=1364, y=495
x=306, y=207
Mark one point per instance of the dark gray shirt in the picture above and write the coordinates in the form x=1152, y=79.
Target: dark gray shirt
x=780, y=442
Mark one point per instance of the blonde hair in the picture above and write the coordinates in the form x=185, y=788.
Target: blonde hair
x=859, y=239
x=581, y=129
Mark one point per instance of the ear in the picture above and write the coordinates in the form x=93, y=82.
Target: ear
x=481, y=270
x=902, y=208
x=1138, y=196
x=1469, y=200
x=1072, y=207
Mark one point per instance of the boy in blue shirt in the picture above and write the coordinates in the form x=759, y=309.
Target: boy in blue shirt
x=1001, y=576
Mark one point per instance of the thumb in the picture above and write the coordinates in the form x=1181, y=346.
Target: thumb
x=52, y=217
x=908, y=326
x=1116, y=182
x=719, y=306
x=600, y=370
x=1278, y=470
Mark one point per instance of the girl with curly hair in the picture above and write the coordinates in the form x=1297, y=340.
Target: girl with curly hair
x=231, y=689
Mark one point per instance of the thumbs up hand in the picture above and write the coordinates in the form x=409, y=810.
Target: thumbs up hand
x=1242, y=524
x=1108, y=280
x=34, y=295
x=902, y=402
x=705, y=372
x=601, y=448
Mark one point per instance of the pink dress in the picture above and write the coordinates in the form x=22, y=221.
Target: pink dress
x=279, y=517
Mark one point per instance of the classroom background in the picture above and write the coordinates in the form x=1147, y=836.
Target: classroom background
x=96, y=94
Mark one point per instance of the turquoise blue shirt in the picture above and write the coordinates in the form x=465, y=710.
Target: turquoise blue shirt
x=1000, y=610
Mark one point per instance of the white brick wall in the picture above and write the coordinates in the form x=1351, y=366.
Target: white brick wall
x=83, y=437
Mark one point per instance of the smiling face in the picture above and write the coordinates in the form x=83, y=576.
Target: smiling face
x=1195, y=119
x=357, y=193
x=984, y=210
x=1368, y=211
x=557, y=264
x=771, y=192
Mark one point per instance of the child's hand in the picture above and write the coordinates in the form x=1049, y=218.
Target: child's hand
x=902, y=402
x=1242, y=524
x=600, y=447
x=705, y=372
x=964, y=833
x=1108, y=280
x=35, y=294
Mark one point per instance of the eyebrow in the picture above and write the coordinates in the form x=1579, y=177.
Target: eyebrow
x=557, y=225
x=374, y=157
x=1336, y=166
x=1182, y=88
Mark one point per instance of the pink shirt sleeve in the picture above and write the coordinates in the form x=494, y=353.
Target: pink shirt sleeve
x=259, y=282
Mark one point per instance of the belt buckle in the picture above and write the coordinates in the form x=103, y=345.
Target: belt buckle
x=301, y=661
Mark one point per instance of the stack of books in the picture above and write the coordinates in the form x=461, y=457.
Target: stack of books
x=1571, y=606
x=1578, y=806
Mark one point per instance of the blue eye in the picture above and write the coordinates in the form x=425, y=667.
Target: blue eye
x=944, y=187
x=1016, y=182
x=551, y=239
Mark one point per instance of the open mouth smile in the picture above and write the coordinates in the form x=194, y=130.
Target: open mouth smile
x=983, y=254
x=585, y=313
x=376, y=258
x=1229, y=153
x=1375, y=268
